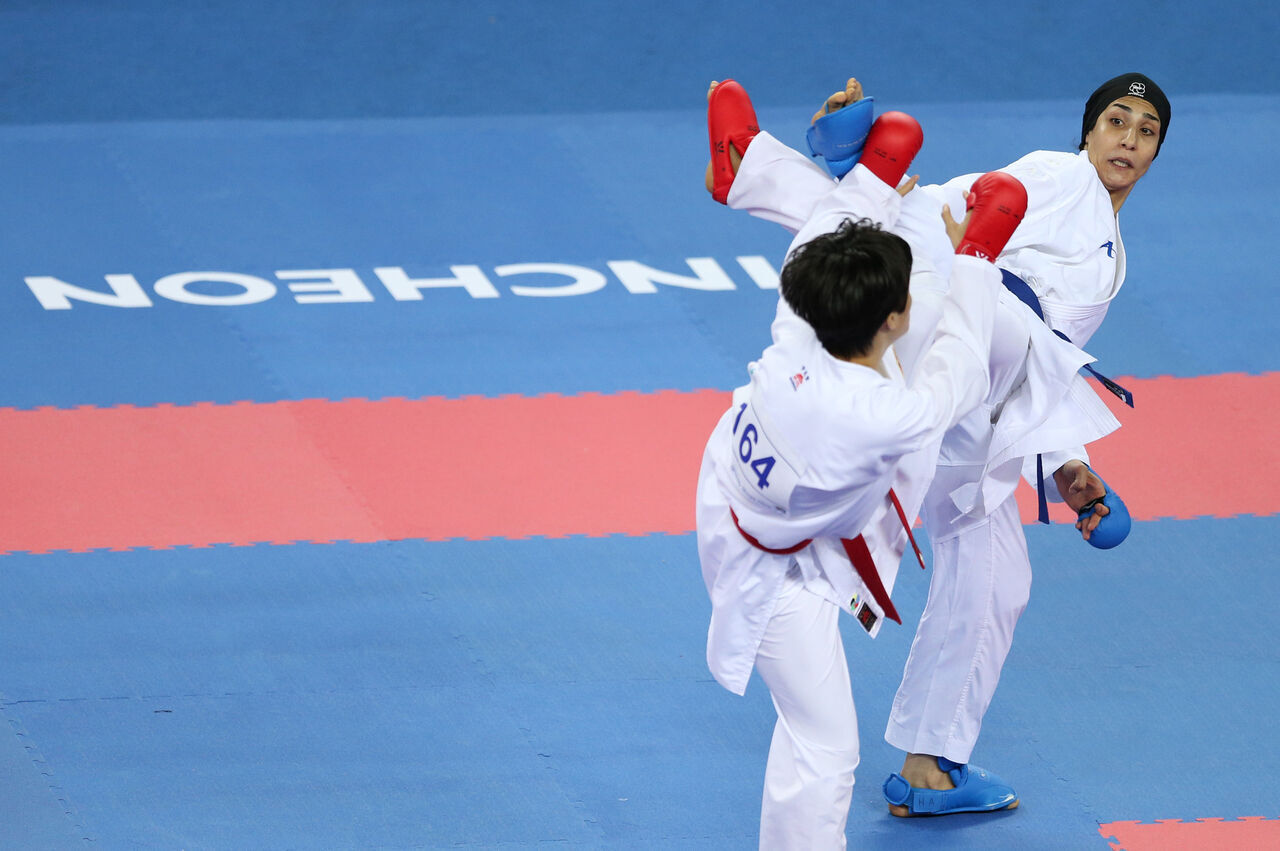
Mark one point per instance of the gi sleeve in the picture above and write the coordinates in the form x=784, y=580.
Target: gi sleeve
x=1049, y=463
x=778, y=183
x=1057, y=185
x=859, y=195
x=952, y=377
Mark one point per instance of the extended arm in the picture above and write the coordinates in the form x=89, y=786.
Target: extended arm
x=953, y=370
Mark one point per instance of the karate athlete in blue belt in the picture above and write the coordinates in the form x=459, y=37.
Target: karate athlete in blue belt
x=1068, y=261
x=803, y=481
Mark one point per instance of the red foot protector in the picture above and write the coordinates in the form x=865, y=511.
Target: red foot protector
x=892, y=144
x=509, y=467
x=730, y=120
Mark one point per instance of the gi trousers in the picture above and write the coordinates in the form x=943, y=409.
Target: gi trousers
x=980, y=586
x=809, y=776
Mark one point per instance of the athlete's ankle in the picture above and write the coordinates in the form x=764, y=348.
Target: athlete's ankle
x=922, y=772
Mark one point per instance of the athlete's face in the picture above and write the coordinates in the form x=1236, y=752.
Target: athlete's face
x=1123, y=142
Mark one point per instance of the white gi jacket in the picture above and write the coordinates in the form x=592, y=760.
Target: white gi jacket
x=811, y=446
x=1069, y=251
x=1067, y=248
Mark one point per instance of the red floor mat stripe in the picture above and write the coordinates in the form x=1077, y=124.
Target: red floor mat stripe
x=516, y=466
x=1191, y=447
x=1206, y=834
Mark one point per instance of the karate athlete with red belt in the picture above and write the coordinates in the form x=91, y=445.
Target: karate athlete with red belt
x=1069, y=261
x=800, y=494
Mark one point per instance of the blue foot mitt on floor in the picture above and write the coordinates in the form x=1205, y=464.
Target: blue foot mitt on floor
x=977, y=791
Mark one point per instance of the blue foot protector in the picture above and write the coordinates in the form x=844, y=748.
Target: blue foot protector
x=977, y=791
x=1113, y=528
x=838, y=136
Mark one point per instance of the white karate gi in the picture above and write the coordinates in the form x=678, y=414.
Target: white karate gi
x=809, y=450
x=1068, y=249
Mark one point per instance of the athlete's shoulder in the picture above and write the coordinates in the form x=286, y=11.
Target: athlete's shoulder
x=1059, y=158
x=1039, y=172
x=1050, y=163
x=1056, y=181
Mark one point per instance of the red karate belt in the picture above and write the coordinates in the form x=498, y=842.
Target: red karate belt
x=859, y=556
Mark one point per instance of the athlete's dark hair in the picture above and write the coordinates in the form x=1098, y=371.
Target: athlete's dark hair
x=845, y=283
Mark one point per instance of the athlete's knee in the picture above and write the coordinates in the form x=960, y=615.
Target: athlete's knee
x=847, y=755
x=1018, y=588
x=1011, y=598
x=834, y=771
x=834, y=757
x=1010, y=588
x=838, y=751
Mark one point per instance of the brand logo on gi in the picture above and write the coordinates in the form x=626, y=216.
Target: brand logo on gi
x=1137, y=89
x=1110, y=246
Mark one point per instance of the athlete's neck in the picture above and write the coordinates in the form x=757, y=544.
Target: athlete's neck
x=1118, y=197
x=874, y=358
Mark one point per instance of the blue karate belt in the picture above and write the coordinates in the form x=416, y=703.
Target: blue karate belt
x=1027, y=296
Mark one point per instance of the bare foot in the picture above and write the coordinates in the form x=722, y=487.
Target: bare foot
x=735, y=158
x=922, y=772
x=852, y=94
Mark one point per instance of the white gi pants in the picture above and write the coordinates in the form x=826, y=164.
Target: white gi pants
x=808, y=780
x=980, y=586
